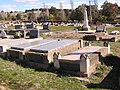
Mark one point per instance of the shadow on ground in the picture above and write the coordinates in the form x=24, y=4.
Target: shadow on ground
x=111, y=81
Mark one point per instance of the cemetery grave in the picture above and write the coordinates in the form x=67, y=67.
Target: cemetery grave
x=18, y=51
x=84, y=60
x=42, y=55
x=111, y=38
x=7, y=43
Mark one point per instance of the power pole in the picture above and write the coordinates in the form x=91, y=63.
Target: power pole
x=90, y=11
x=47, y=11
x=62, y=12
x=96, y=2
x=72, y=5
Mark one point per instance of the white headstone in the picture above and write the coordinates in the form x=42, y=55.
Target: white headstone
x=56, y=61
x=3, y=34
x=84, y=63
x=106, y=44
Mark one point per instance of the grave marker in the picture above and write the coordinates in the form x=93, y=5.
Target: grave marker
x=34, y=33
x=100, y=28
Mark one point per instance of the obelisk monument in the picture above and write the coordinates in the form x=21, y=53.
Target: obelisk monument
x=86, y=27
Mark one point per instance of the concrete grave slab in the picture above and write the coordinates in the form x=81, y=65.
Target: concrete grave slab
x=73, y=61
x=7, y=43
x=18, y=51
x=111, y=38
x=61, y=46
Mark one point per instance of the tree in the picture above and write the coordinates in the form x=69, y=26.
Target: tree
x=18, y=16
x=54, y=12
x=42, y=17
x=51, y=17
x=8, y=16
x=77, y=15
x=31, y=16
x=67, y=13
x=13, y=17
x=1, y=18
x=110, y=11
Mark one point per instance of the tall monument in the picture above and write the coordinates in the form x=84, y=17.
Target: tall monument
x=86, y=27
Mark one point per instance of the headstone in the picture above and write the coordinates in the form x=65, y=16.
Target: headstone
x=75, y=30
x=2, y=26
x=100, y=28
x=106, y=44
x=84, y=63
x=34, y=33
x=29, y=26
x=56, y=60
x=18, y=26
x=45, y=26
x=87, y=44
x=3, y=34
x=81, y=43
x=114, y=33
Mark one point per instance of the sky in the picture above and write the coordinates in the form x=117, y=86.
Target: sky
x=22, y=5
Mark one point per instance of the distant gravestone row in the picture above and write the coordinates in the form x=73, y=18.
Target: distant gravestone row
x=27, y=26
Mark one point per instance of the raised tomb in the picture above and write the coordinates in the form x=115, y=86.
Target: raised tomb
x=66, y=54
x=41, y=56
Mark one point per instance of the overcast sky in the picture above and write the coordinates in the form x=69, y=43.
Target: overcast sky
x=21, y=5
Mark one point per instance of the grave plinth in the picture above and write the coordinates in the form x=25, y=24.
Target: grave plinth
x=18, y=51
x=61, y=46
x=84, y=60
x=6, y=44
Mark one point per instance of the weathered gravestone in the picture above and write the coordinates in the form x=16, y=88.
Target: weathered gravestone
x=56, y=61
x=87, y=43
x=100, y=28
x=106, y=44
x=45, y=27
x=29, y=26
x=18, y=26
x=3, y=34
x=34, y=33
x=84, y=63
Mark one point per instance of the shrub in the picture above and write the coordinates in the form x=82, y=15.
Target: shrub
x=112, y=60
